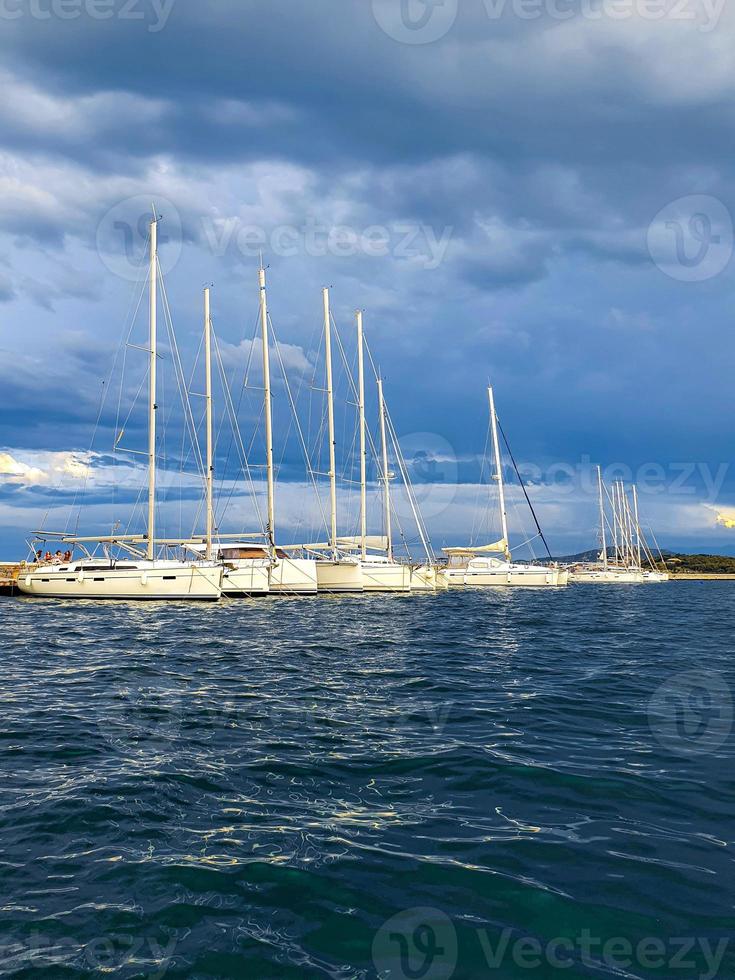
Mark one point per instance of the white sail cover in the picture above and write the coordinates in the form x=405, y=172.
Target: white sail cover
x=497, y=546
x=377, y=542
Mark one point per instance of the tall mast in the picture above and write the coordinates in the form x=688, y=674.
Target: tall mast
x=602, y=517
x=208, y=396
x=498, y=469
x=330, y=418
x=153, y=309
x=268, y=409
x=629, y=527
x=363, y=456
x=386, y=474
x=637, y=525
x=616, y=522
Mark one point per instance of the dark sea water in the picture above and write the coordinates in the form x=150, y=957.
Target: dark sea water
x=488, y=784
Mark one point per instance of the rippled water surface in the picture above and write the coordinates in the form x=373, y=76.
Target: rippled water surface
x=369, y=786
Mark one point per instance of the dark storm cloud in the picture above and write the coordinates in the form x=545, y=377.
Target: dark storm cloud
x=536, y=152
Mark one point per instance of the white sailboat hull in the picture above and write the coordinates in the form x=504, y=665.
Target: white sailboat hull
x=294, y=575
x=139, y=580
x=427, y=578
x=616, y=576
x=385, y=577
x=246, y=576
x=338, y=576
x=502, y=574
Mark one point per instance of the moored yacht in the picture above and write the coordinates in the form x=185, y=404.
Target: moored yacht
x=625, y=565
x=110, y=578
x=336, y=570
x=480, y=566
x=141, y=574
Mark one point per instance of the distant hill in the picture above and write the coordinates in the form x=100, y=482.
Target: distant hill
x=675, y=562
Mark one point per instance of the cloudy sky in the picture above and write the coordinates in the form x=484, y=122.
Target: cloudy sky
x=532, y=192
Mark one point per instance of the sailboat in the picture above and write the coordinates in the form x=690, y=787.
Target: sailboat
x=251, y=568
x=336, y=570
x=380, y=572
x=629, y=544
x=141, y=574
x=245, y=566
x=479, y=566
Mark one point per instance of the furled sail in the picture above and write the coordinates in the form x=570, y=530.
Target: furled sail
x=377, y=542
x=497, y=546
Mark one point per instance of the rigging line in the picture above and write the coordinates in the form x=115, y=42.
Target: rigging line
x=253, y=342
x=417, y=515
x=236, y=430
x=523, y=487
x=80, y=493
x=304, y=449
x=355, y=395
x=477, y=523
x=231, y=414
x=181, y=378
x=229, y=383
x=185, y=455
x=190, y=423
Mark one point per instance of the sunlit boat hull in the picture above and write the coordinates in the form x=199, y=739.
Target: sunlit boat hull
x=385, y=576
x=427, y=578
x=294, y=576
x=493, y=573
x=246, y=577
x=615, y=576
x=123, y=580
x=338, y=576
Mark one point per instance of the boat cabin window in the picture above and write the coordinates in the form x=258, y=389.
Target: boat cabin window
x=237, y=554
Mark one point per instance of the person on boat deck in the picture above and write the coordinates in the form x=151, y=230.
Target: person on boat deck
x=39, y=557
x=48, y=557
x=58, y=557
x=67, y=556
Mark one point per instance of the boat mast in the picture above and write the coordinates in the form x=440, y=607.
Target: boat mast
x=498, y=469
x=153, y=309
x=363, y=455
x=386, y=474
x=616, y=522
x=208, y=397
x=268, y=409
x=602, y=517
x=330, y=422
x=637, y=525
x=629, y=525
